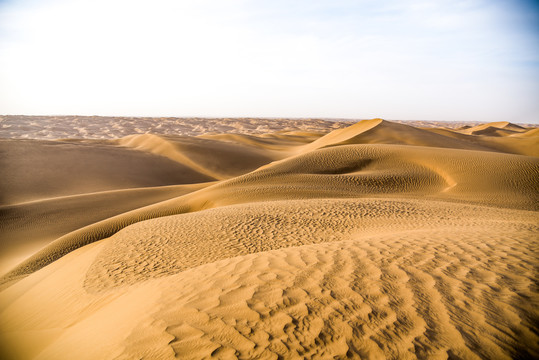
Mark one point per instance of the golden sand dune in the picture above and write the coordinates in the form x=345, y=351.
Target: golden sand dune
x=442, y=280
x=215, y=159
x=498, y=128
x=527, y=133
x=27, y=227
x=380, y=240
x=36, y=170
x=378, y=131
x=527, y=143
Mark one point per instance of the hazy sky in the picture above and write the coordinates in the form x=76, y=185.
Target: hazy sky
x=395, y=59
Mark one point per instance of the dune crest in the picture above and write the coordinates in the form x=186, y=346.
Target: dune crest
x=218, y=159
x=157, y=145
x=485, y=129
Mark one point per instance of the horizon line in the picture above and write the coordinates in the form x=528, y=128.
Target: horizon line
x=334, y=119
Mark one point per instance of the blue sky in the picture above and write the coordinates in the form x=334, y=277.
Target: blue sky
x=472, y=60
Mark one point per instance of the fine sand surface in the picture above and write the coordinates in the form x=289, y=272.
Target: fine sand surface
x=372, y=240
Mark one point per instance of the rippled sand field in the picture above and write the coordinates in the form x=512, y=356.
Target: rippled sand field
x=369, y=240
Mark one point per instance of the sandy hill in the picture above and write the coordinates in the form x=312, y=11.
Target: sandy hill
x=527, y=143
x=494, y=128
x=528, y=133
x=35, y=170
x=216, y=157
x=379, y=240
x=378, y=131
x=26, y=228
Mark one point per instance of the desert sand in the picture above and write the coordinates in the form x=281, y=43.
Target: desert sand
x=269, y=239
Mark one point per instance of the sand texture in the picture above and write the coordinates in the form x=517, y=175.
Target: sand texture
x=373, y=240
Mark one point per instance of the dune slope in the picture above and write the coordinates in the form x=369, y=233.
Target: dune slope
x=36, y=170
x=27, y=227
x=215, y=159
x=378, y=131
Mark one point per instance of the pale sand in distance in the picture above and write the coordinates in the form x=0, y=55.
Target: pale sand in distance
x=314, y=240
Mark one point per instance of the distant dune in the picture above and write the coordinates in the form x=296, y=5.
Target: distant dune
x=271, y=240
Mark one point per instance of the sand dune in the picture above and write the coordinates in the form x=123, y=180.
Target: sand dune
x=215, y=159
x=499, y=128
x=378, y=240
x=527, y=133
x=517, y=143
x=378, y=131
x=26, y=228
x=431, y=285
x=36, y=170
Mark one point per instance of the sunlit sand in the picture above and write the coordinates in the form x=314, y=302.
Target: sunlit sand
x=271, y=240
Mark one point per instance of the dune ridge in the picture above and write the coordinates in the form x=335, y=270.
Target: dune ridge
x=505, y=126
x=36, y=169
x=218, y=160
x=376, y=240
x=27, y=227
x=379, y=131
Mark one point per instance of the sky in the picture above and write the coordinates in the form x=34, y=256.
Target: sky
x=459, y=60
